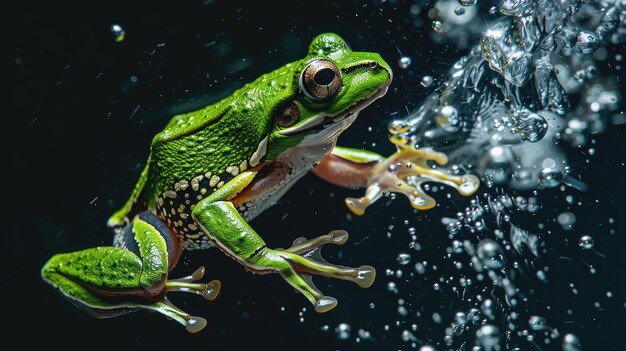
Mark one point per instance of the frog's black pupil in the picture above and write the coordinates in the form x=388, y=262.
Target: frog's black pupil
x=324, y=76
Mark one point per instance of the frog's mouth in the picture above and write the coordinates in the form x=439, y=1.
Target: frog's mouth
x=320, y=122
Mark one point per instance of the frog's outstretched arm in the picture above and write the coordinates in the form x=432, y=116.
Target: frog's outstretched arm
x=109, y=281
x=355, y=168
x=223, y=224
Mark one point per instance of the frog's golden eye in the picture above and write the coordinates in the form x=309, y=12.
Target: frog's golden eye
x=287, y=114
x=320, y=80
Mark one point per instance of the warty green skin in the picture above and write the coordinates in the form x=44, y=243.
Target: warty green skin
x=197, y=167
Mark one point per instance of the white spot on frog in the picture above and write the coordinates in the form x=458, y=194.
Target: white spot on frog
x=195, y=182
x=214, y=180
x=181, y=185
x=234, y=170
x=260, y=152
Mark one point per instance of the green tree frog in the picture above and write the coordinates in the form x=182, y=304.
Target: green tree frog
x=211, y=171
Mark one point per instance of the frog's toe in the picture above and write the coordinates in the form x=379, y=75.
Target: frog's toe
x=301, y=245
x=212, y=290
x=209, y=290
x=325, y=304
x=195, y=324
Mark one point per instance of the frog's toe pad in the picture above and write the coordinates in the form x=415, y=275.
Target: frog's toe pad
x=365, y=276
x=212, y=290
x=325, y=304
x=195, y=324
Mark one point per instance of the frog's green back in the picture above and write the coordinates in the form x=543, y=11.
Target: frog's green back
x=219, y=139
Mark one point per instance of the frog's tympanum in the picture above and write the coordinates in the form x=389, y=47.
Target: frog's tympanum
x=211, y=171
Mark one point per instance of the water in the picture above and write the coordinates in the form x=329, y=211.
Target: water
x=526, y=95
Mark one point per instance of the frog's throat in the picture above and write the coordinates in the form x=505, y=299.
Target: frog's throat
x=321, y=120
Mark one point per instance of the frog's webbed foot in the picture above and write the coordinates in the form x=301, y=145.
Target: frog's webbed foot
x=189, y=284
x=300, y=262
x=404, y=172
x=162, y=304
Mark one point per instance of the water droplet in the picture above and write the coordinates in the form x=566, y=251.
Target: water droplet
x=566, y=220
x=550, y=177
x=586, y=242
x=118, y=32
x=538, y=323
x=488, y=336
x=404, y=62
x=467, y=2
x=427, y=81
x=408, y=336
x=403, y=259
x=530, y=126
x=419, y=268
x=449, y=119
x=437, y=26
x=453, y=225
x=343, y=331
x=586, y=43
x=398, y=127
x=490, y=254
x=571, y=343
x=497, y=164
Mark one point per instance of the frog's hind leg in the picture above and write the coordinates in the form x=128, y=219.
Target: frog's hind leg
x=110, y=281
x=223, y=224
x=305, y=256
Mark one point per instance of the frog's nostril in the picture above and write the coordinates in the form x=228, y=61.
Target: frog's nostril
x=373, y=64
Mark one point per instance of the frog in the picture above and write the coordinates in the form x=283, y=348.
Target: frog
x=210, y=172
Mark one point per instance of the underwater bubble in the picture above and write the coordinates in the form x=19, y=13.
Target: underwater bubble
x=550, y=177
x=586, y=242
x=457, y=246
x=459, y=11
x=497, y=164
x=364, y=334
x=398, y=127
x=118, y=32
x=566, y=220
x=490, y=254
x=467, y=2
x=473, y=315
x=437, y=26
x=488, y=336
x=460, y=318
x=449, y=119
x=404, y=62
x=403, y=259
x=408, y=336
x=343, y=331
x=427, y=348
x=538, y=323
x=530, y=126
x=586, y=43
x=453, y=225
x=514, y=7
x=571, y=343
x=427, y=81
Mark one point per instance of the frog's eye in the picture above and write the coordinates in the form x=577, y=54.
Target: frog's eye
x=287, y=114
x=320, y=80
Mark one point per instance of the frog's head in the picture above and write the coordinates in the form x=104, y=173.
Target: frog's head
x=328, y=88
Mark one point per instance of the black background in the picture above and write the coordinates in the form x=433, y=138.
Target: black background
x=77, y=134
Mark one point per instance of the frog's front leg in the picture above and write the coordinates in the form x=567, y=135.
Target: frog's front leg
x=110, y=281
x=355, y=168
x=224, y=225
